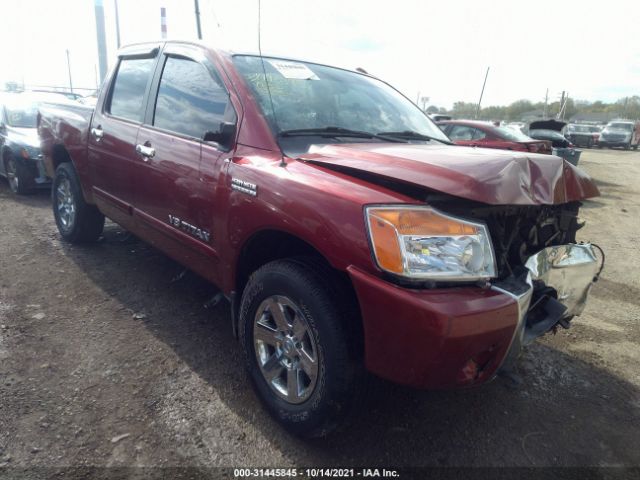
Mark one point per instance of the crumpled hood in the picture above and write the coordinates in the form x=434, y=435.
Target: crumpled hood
x=24, y=136
x=496, y=177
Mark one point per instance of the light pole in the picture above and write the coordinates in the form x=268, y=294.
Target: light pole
x=69, y=70
x=482, y=92
x=198, y=19
x=115, y=2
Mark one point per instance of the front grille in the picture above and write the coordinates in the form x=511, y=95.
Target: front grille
x=614, y=137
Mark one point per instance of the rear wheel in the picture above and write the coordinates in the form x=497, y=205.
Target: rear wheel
x=294, y=338
x=77, y=221
x=17, y=175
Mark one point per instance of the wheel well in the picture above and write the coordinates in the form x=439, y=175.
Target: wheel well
x=59, y=155
x=269, y=245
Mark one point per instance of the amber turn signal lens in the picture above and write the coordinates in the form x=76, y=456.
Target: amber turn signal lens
x=423, y=222
x=385, y=243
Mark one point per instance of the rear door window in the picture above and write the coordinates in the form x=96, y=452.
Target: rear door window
x=129, y=88
x=191, y=101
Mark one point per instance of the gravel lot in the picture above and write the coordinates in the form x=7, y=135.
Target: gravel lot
x=110, y=357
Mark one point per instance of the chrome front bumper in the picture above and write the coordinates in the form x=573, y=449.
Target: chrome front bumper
x=552, y=291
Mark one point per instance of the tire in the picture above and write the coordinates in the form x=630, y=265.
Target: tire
x=77, y=221
x=316, y=313
x=17, y=175
x=627, y=146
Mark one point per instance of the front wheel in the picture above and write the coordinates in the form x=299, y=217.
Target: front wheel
x=77, y=221
x=294, y=338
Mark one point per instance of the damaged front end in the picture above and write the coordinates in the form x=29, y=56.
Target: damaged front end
x=540, y=264
x=551, y=291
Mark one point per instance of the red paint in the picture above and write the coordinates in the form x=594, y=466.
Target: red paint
x=418, y=337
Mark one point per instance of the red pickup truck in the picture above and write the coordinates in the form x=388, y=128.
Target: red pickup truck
x=344, y=228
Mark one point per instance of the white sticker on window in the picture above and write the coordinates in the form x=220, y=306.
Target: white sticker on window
x=298, y=71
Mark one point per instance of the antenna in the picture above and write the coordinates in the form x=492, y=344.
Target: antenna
x=264, y=71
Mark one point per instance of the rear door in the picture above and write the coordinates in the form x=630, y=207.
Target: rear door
x=175, y=205
x=112, y=138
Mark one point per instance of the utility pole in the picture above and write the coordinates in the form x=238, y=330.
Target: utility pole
x=101, y=38
x=69, y=70
x=424, y=101
x=546, y=101
x=482, y=92
x=163, y=22
x=117, y=24
x=561, y=105
x=198, y=19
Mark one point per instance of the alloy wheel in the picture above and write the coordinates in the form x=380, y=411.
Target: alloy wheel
x=286, y=349
x=66, y=205
x=12, y=175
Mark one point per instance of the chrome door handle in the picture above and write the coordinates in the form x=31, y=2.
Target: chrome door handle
x=97, y=133
x=145, y=151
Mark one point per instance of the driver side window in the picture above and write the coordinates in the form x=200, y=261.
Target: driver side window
x=190, y=100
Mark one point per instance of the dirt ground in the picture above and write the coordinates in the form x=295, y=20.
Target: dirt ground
x=110, y=357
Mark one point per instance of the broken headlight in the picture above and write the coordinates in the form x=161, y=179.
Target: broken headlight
x=422, y=243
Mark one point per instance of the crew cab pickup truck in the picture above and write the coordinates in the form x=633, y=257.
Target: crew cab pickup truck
x=344, y=228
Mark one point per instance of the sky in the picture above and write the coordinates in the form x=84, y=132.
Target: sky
x=435, y=49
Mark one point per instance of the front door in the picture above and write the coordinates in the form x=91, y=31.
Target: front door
x=175, y=202
x=112, y=138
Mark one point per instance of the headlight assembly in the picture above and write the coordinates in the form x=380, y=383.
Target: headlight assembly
x=421, y=243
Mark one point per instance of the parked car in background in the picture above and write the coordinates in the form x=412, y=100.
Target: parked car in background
x=550, y=130
x=582, y=135
x=620, y=133
x=488, y=135
x=438, y=117
x=517, y=126
x=21, y=161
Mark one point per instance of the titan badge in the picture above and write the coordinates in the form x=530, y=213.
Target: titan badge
x=192, y=230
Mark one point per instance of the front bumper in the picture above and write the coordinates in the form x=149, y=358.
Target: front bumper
x=454, y=337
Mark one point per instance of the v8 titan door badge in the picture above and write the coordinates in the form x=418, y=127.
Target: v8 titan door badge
x=192, y=230
x=244, y=186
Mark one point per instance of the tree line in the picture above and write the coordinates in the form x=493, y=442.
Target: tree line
x=627, y=107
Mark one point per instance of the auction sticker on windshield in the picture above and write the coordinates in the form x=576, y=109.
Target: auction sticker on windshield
x=294, y=70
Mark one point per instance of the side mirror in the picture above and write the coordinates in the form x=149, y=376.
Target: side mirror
x=224, y=136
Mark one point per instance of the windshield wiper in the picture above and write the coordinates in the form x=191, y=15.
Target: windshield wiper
x=338, y=132
x=411, y=135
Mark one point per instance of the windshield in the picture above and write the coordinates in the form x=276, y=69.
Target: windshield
x=22, y=115
x=310, y=96
x=620, y=126
x=512, y=134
